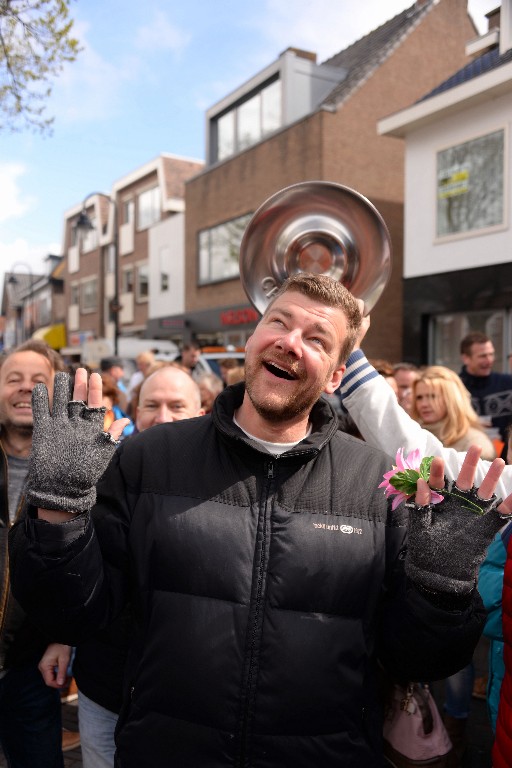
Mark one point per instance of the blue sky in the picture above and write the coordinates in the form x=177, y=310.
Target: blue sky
x=141, y=86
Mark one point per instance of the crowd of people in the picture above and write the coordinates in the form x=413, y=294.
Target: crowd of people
x=211, y=558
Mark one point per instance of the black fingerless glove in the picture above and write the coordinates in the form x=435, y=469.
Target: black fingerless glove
x=448, y=541
x=70, y=450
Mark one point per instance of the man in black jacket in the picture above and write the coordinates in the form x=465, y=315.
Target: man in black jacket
x=169, y=394
x=491, y=392
x=268, y=574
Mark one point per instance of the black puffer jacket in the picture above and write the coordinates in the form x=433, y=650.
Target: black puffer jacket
x=264, y=590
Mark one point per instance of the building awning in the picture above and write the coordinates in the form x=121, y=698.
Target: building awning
x=53, y=335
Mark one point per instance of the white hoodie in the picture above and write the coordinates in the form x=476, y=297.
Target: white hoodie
x=384, y=424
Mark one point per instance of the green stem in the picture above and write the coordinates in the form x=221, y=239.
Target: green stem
x=476, y=508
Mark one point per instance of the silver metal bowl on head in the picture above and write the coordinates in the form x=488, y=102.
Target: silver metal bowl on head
x=320, y=227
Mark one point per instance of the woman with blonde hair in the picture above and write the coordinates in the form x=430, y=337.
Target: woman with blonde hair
x=442, y=404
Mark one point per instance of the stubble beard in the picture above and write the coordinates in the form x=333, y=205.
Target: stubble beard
x=275, y=408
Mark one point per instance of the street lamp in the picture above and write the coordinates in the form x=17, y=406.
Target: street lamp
x=13, y=280
x=84, y=224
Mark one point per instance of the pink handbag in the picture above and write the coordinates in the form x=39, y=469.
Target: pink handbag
x=413, y=731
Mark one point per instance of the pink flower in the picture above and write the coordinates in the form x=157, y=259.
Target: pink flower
x=402, y=480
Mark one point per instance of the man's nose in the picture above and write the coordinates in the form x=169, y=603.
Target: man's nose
x=291, y=342
x=163, y=415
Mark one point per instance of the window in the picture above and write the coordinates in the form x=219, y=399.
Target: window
x=148, y=208
x=470, y=185
x=89, y=237
x=110, y=259
x=248, y=121
x=446, y=332
x=74, y=293
x=128, y=282
x=128, y=211
x=142, y=282
x=89, y=295
x=219, y=250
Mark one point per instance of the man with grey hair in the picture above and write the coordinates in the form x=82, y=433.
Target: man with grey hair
x=30, y=714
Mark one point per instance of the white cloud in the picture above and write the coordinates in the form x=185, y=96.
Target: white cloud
x=13, y=203
x=160, y=35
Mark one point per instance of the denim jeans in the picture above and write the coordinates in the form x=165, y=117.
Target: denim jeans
x=458, y=692
x=30, y=720
x=97, y=726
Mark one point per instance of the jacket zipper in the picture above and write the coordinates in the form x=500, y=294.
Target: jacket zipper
x=255, y=626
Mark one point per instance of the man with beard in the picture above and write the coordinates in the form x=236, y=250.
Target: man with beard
x=30, y=713
x=268, y=575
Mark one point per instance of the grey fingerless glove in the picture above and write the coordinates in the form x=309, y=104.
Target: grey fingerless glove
x=448, y=541
x=70, y=450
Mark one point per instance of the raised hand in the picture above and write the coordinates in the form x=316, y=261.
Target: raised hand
x=448, y=541
x=70, y=449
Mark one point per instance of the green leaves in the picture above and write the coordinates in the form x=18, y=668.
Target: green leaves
x=406, y=481
x=35, y=44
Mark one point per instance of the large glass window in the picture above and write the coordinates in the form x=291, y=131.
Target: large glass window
x=447, y=330
x=248, y=121
x=470, y=185
x=219, y=250
x=148, y=208
x=89, y=295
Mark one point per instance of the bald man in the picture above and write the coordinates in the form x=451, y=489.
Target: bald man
x=168, y=394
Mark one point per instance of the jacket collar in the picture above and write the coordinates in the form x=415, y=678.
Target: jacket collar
x=324, y=421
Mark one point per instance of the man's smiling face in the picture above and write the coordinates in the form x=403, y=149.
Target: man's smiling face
x=20, y=372
x=293, y=356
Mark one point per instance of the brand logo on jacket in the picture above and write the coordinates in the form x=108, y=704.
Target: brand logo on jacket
x=347, y=529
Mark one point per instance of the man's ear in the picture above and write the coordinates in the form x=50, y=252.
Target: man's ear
x=335, y=380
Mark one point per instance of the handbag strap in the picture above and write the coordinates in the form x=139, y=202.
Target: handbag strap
x=421, y=695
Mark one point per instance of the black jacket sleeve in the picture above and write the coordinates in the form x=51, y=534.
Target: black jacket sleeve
x=69, y=583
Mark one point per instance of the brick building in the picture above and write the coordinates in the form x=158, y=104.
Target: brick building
x=298, y=120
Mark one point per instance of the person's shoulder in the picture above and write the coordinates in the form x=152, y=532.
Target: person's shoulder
x=160, y=434
x=502, y=378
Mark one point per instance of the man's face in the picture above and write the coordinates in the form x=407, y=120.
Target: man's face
x=167, y=395
x=190, y=357
x=480, y=360
x=405, y=379
x=292, y=357
x=18, y=376
x=117, y=372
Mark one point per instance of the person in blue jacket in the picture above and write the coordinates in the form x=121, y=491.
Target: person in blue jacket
x=490, y=586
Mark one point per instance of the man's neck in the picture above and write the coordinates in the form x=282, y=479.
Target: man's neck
x=291, y=431
x=16, y=442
